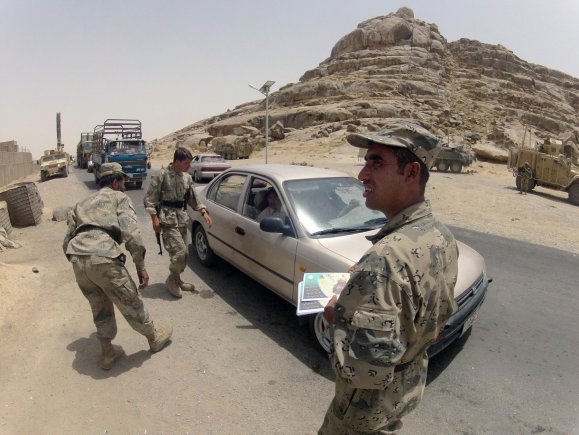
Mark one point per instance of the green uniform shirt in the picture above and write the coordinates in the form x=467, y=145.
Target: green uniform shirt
x=100, y=223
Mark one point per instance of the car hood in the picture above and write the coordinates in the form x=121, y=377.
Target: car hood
x=471, y=264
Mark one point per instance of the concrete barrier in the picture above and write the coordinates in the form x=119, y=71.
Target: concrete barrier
x=15, y=165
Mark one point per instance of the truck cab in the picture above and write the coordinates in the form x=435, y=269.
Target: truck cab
x=120, y=141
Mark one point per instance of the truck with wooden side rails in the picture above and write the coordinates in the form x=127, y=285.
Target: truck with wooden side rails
x=84, y=149
x=121, y=141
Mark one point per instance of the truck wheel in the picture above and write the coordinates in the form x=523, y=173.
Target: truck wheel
x=65, y=171
x=139, y=184
x=456, y=167
x=442, y=166
x=574, y=193
x=519, y=184
x=42, y=176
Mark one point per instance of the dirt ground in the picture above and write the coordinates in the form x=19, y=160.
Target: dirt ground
x=36, y=315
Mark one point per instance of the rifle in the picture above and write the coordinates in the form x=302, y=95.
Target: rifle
x=158, y=236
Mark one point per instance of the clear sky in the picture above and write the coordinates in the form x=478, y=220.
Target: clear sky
x=172, y=63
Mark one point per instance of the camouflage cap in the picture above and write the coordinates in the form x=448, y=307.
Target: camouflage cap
x=402, y=134
x=112, y=168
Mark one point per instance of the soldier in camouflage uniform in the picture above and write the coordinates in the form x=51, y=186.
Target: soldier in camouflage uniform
x=166, y=202
x=97, y=226
x=399, y=295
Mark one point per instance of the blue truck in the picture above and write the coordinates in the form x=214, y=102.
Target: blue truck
x=121, y=141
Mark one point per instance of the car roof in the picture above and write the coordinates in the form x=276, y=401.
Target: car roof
x=281, y=172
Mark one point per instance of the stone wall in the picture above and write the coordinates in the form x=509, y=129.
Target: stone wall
x=15, y=165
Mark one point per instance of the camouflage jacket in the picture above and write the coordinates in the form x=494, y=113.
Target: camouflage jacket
x=169, y=185
x=99, y=224
x=397, y=300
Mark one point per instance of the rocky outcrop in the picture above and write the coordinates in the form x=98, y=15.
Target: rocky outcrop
x=399, y=66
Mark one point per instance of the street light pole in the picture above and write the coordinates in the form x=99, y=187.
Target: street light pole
x=265, y=91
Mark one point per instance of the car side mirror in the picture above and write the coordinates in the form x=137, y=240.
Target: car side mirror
x=275, y=225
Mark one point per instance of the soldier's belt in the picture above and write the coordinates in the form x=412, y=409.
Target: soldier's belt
x=86, y=228
x=174, y=204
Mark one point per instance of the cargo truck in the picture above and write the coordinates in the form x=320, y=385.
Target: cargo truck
x=121, y=141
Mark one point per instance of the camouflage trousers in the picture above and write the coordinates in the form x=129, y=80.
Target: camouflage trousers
x=106, y=283
x=175, y=242
x=380, y=411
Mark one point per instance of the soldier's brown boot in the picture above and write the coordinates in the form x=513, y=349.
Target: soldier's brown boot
x=172, y=283
x=110, y=354
x=159, y=339
x=186, y=286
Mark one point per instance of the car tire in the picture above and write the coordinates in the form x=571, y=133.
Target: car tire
x=442, y=166
x=196, y=177
x=204, y=252
x=456, y=167
x=320, y=331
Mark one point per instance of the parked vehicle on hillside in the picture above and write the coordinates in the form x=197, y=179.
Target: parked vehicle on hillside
x=549, y=166
x=454, y=157
x=324, y=230
x=208, y=165
x=53, y=163
x=120, y=140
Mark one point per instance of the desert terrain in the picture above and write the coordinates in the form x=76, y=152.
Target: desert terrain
x=204, y=380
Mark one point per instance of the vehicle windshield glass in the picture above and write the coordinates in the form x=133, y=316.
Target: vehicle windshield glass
x=332, y=205
x=46, y=158
x=126, y=148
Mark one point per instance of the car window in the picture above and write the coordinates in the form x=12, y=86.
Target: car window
x=331, y=205
x=228, y=191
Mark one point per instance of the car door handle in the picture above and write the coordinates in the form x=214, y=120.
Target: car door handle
x=240, y=230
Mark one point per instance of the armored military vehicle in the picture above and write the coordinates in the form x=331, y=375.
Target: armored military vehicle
x=552, y=165
x=53, y=163
x=232, y=147
x=453, y=157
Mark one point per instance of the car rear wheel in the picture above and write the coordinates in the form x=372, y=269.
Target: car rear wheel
x=456, y=167
x=320, y=330
x=204, y=252
x=442, y=166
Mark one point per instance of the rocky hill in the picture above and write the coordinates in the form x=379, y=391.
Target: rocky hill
x=398, y=66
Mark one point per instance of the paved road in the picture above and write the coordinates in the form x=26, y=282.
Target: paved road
x=515, y=373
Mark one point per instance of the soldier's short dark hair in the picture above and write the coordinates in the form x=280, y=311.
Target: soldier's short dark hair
x=107, y=180
x=182, y=154
x=405, y=156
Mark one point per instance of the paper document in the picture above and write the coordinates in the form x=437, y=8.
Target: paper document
x=316, y=290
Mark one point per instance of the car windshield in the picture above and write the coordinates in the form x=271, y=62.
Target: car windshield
x=327, y=206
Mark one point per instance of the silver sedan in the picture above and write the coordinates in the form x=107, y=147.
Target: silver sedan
x=275, y=222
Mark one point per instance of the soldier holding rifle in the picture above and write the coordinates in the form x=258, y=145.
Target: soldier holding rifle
x=166, y=201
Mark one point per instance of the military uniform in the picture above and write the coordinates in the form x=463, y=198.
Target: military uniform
x=396, y=302
x=97, y=226
x=167, y=197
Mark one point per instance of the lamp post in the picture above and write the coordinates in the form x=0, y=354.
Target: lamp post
x=265, y=91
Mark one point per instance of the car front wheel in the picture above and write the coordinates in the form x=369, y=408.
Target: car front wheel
x=202, y=249
x=320, y=330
